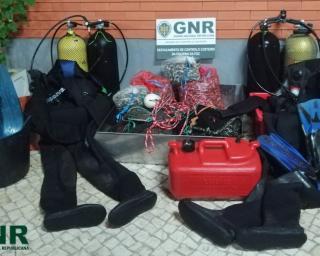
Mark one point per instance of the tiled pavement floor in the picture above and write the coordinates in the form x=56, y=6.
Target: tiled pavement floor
x=157, y=232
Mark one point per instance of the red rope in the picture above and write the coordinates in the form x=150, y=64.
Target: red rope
x=168, y=112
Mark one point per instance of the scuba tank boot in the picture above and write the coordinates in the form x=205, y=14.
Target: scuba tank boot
x=281, y=214
x=220, y=226
x=58, y=193
x=115, y=181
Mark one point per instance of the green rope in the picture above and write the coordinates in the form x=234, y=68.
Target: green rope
x=104, y=90
x=129, y=126
x=187, y=130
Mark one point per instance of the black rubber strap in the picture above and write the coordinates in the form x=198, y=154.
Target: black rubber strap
x=246, y=106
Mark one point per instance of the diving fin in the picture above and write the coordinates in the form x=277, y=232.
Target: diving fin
x=287, y=155
x=309, y=113
x=11, y=117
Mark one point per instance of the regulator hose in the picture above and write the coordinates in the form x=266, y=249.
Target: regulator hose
x=52, y=40
x=127, y=52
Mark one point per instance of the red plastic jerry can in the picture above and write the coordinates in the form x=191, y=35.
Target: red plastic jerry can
x=220, y=168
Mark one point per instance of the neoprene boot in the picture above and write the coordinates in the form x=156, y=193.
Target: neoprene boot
x=281, y=214
x=310, y=198
x=58, y=193
x=220, y=226
x=309, y=195
x=278, y=213
x=116, y=181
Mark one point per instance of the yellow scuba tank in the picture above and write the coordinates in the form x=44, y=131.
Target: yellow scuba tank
x=73, y=47
x=300, y=46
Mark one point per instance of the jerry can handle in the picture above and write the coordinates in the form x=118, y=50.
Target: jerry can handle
x=203, y=144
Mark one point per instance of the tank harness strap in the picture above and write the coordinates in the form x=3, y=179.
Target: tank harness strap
x=246, y=106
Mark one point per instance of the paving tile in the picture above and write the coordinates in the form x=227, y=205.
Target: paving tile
x=174, y=254
x=128, y=241
x=153, y=242
x=169, y=245
x=121, y=251
x=185, y=249
x=93, y=246
x=137, y=247
x=316, y=251
x=309, y=245
x=141, y=236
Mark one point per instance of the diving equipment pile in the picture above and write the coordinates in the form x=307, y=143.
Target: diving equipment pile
x=275, y=171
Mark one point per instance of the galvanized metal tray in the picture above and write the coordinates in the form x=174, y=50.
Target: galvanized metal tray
x=130, y=147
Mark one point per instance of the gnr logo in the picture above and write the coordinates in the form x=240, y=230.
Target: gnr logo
x=190, y=27
x=15, y=236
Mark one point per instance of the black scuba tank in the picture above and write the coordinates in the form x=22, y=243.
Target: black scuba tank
x=103, y=60
x=264, y=64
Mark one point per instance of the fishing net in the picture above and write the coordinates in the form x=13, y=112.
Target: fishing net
x=180, y=70
x=205, y=91
x=153, y=82
x=176, y=111
x=128, y=97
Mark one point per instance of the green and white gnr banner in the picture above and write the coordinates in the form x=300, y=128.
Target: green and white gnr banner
x=186, y=37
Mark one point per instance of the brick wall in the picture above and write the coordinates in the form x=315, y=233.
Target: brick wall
x=137, y=18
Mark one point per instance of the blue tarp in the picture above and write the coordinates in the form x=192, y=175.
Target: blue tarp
x=11, y=117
